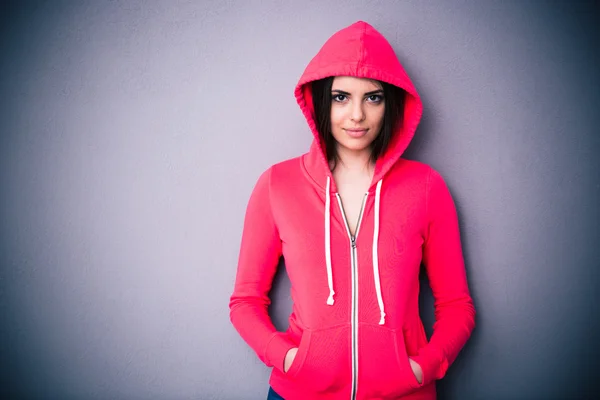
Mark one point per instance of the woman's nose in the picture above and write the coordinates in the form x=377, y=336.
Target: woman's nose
x=357, y=112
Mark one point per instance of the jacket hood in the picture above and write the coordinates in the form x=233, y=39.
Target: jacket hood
x=359, y=51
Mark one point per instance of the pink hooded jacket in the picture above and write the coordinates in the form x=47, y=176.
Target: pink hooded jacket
x=355, y=317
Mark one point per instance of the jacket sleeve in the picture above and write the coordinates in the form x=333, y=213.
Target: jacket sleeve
x=258, y=259
x=444, y=262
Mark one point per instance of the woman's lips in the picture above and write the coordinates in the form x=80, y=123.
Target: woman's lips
x=356, y=133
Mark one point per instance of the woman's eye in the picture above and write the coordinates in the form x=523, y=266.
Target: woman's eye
x=375, y=98
x=339, y=97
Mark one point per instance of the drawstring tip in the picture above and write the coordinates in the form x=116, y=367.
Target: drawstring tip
x=382, y=320
x=330, y=299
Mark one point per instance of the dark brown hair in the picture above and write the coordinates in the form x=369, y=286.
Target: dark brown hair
x=394, y=104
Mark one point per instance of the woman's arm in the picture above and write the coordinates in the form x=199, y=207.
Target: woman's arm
x=443, y=259
x=259, y=255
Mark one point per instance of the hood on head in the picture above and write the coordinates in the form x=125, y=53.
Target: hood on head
x=359, y=51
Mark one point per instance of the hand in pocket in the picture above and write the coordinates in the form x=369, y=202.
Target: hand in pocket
x=289, y=359
x=416, y=369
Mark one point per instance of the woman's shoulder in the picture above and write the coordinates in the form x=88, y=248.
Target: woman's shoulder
x=415, y=174
x=287, y=164
x=417, y=169
x=286, y=169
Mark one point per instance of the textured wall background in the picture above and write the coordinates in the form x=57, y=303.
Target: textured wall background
x=131, y=135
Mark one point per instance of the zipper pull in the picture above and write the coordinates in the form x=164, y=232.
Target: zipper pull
x=353, y=242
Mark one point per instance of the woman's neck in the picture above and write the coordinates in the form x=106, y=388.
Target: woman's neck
x=355, y=162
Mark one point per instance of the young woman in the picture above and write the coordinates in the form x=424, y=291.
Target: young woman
x=353, y=221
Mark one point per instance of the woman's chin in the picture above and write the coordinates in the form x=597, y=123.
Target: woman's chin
x=356, y=146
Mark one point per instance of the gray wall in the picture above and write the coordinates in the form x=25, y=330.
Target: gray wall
x=133, y=132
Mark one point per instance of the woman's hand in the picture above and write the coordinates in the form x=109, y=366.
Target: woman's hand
x=289, y=358
x=417, y=371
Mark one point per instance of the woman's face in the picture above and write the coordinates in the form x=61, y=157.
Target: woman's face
x=357, y=108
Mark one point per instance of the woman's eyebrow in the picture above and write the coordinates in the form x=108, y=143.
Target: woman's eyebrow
x=378, y=91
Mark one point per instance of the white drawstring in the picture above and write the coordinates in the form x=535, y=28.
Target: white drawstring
x=328, y=242
x=330, y=300
x=375, y=255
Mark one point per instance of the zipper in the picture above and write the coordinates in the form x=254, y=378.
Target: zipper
x=354, y=314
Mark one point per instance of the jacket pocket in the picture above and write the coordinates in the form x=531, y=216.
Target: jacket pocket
x=415, y=339
x=322, y=362
x=384, y=368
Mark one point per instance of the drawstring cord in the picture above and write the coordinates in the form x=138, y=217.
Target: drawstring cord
x=376, y=255
x=328, y=242
x=330, y=300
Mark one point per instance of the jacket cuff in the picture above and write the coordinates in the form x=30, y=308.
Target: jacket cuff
x=430, y=364
x=277, y=348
